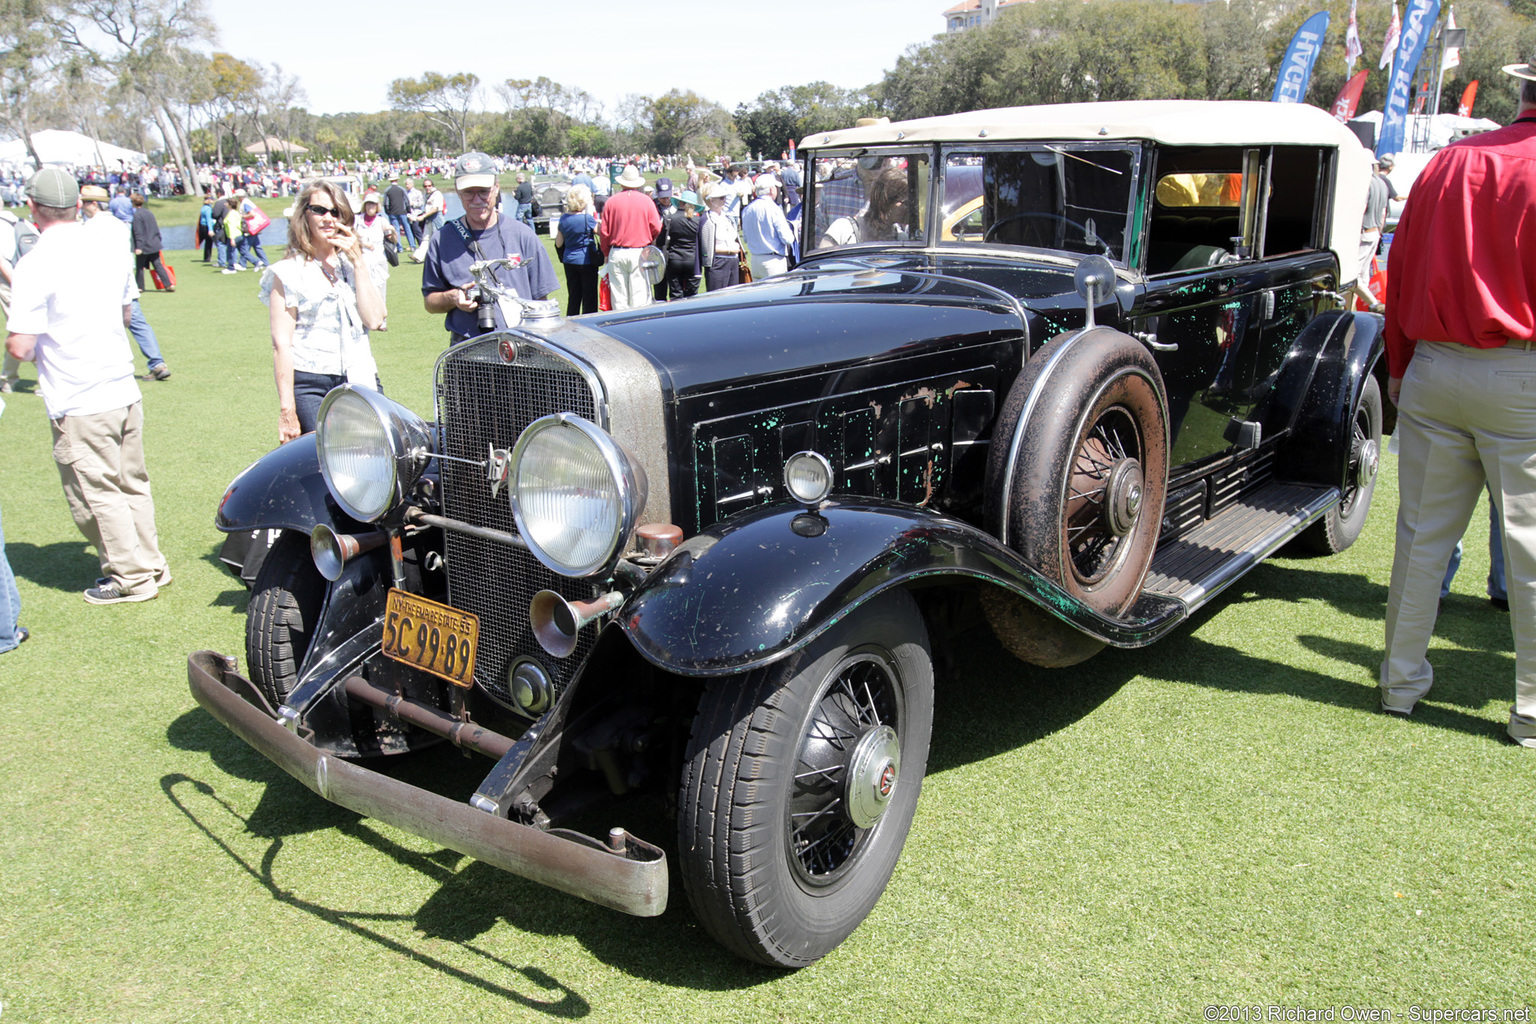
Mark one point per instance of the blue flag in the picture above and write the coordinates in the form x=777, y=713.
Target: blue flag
x=1296, y=68
x=1418, y=27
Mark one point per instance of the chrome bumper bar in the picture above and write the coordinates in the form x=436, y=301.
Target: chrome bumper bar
x=632, y=880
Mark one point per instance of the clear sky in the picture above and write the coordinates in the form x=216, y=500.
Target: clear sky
x=728, y=51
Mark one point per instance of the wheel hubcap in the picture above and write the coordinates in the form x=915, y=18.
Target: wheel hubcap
x=1104, y=496
x=1367, y=462
x=872, y=773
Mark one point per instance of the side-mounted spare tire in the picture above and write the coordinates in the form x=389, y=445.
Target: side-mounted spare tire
x=1076, y=477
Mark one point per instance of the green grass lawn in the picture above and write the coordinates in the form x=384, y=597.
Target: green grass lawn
x=1221, y=819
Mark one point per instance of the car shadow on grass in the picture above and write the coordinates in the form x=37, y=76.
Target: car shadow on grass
x=472, y=898
x=990, y=702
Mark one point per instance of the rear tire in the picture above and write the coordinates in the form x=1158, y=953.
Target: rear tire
x=800, y=783
x=1342, y=525
x=286, y=600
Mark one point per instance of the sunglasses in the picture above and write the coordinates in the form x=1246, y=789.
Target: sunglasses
x=321, y=211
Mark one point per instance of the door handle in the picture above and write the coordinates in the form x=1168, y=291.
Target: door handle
x=1149, y=339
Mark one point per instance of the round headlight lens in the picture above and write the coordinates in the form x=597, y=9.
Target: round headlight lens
x=371, y=450
x=808, y=477
x=575, y=494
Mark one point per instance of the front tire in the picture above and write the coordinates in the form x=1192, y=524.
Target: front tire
x=800, y=783
x=286, y=599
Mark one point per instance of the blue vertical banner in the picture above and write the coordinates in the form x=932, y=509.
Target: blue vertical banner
x=1300, y=56
x=1418, y=26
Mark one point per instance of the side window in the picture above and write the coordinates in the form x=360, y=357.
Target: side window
x=869, y=197
x=1201, y=203
x=1296, y=210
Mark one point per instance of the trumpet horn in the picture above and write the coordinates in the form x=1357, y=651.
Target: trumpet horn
x=556, y=621
x=332, y=551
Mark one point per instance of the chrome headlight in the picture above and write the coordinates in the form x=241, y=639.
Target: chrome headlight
x=576, y=494
x=372, y=450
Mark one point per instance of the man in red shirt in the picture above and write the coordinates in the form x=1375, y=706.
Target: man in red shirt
x=1461, y=360
x=629, y=224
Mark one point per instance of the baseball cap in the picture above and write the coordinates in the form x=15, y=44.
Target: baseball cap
x=94, y=194
x=663, y=188
x=54, y=188
x=764, y=183
x=474, y=170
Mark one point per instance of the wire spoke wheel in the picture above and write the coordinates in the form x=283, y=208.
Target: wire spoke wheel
x=800, y=783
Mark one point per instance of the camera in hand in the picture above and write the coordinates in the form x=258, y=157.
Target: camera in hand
x=485, y=308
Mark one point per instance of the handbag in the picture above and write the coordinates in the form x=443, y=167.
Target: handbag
x=256, y=221
x=744, y=266
x=392, y=253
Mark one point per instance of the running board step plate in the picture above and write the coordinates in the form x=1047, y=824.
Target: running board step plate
x=1203, y=562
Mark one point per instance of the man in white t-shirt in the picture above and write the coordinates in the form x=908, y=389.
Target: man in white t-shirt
x=71, y=300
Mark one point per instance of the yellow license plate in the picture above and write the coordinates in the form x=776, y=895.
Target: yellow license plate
x=431, y=636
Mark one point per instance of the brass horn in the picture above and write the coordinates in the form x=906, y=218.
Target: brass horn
x=332, y=551
x=556, y=621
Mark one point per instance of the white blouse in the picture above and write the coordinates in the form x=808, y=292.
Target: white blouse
x=329, y=336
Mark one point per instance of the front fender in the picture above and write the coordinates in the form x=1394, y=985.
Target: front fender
x=283, y=490
x=762, y=585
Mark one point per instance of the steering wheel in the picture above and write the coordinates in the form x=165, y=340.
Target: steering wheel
x=1104, y=248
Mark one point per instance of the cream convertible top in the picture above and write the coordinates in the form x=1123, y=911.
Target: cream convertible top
x=1174, y=122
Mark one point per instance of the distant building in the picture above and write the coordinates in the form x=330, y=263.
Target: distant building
x=970, y=13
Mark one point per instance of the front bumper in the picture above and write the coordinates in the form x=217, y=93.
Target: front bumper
x=632, y=880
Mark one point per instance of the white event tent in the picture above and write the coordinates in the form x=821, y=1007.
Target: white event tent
x=71, y=148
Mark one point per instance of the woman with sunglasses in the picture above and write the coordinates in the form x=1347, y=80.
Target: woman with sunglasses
x=323, y=302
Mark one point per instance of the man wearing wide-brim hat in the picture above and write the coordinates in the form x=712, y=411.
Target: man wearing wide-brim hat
x=629, y=224
x=1461, y=359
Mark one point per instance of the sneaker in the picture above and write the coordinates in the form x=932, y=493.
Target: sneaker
x=110, y=594
x=161, y=372
x=5, y=387
x=227, y=270
x=1501, y=603
x=163, y=578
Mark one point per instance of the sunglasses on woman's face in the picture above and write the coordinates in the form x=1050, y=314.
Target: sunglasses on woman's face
x=321, y=211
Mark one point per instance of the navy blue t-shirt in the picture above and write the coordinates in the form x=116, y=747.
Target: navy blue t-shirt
x=449, y=257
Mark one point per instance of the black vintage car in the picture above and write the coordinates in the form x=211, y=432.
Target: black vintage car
x=1070, y=371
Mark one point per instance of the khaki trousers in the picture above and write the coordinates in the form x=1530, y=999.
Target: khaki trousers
x=101, y=464
x=626, y=282
x=1466, y=415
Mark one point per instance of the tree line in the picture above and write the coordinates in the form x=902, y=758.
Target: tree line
x=136, y=72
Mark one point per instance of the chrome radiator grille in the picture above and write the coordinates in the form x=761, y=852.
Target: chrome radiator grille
x=484, y=402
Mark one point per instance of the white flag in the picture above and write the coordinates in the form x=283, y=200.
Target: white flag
x=1452, y=53
x=1352, y=47
x=1394, y=31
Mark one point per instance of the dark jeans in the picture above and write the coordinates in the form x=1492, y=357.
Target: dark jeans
x=310, y=389
x=580, y=288
x=149, y=259
x=207, y=248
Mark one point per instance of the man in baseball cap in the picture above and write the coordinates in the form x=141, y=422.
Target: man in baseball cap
x=481, y=234
x=71, y=298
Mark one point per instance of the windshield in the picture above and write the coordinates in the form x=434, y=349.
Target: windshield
x=869, y=197
x=1076, y=198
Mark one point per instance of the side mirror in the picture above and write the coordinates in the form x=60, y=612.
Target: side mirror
x=1095, y=282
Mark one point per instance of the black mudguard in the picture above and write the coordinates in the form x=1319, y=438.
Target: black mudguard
x=282, y=490
x=1315, y=394
x=762, y=585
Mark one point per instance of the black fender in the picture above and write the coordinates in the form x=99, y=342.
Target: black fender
x=1316, y=392
x=762, y=585
x=283, y=490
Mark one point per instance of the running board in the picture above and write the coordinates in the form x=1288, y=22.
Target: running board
x=1203, y=562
